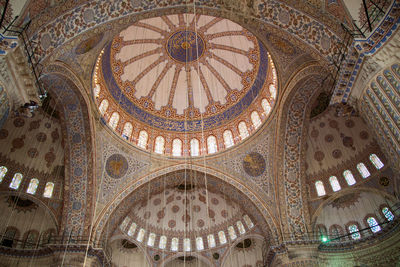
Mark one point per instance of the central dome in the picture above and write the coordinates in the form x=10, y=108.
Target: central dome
x=180, y=74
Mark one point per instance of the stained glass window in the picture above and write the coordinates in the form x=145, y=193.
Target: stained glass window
x=132, y=229
x=211, y=241
x=3, y=172
x=232, y=233
x=194, y=147
x=103, y=106
x=272, y=90
x=228, y=138
x=48, y=190
x=353, y=229
x=243, y=131
x=140, y=235
x=128, y=128
x=373, y=224
x=334, y=183
x=319, y=186
x=335, y=231
x=199, y=243
x=266, y=106
x=31, y=239
x=124, y=223
x=376, y=161
x=174, y=244
x=240, y=226
x=163, y=242
x=151, y=240
x=186, y=244
x=212, y=144
x=248, y=221
x=388, y=214
x=114, y=120
x=221, y=237
x=142, y=142
x=33, y=185
x=348, y=176
x=362, y=169
x=177, y=148
x=16, y=181
x=159, y=146
x=255, y=119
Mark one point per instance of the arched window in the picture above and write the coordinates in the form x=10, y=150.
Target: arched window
x=177, y=148
x=199, y=243
x=113, y=122
x=376, y=161
x=240, y=226
x=9, y=236
x=221, y=237
x=159, y=146
x=16, y=181
x=266, y=106
x=373, y=224
x=103, y=106
x=362, y=169
x=353, y=230
x=163, y=242
x=128, y=128
x=48, y=190
x=272, y=90
x=348, y=176
x=255, y=119
x=319, y=186
x=335, y=231
x=33, y=185
x=211, y=241
x=96, y=90
x=31, y=239
x=46, y=236
x=243, y=131
x=388, y=214
x=228, y=138
x=142, y=141
x=124, y=223
x=194, y=147
x=3, y=172
x=132, y=229
x=174, y=244
x=151, y=240
x=248, y=221
x=186, y=244
x=334, y=183
x=140, y=235
x=321, y=231
x=212, y=144
x=232, y=233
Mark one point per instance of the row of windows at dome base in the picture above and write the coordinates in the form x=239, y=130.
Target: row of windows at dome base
x=177, y=145
x=33, y=184
x=29, y=240
x=348, y=176
x=353, y=229
x=186, y=243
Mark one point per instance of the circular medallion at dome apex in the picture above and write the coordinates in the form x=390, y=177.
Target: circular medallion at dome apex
x=182, y=73
x=185, y=46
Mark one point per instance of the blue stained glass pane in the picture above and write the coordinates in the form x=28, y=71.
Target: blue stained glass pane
x=353, y=229
x=388, y=214
x=373, y=224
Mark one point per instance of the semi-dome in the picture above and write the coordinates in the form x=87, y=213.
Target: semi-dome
x=185, y=85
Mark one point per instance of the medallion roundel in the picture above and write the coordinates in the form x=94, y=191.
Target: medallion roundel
x=185, y=46
x=116, y=166
x=254, y=164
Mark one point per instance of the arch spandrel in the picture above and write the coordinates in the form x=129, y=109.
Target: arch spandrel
x=78, y=189
x=113, y=213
